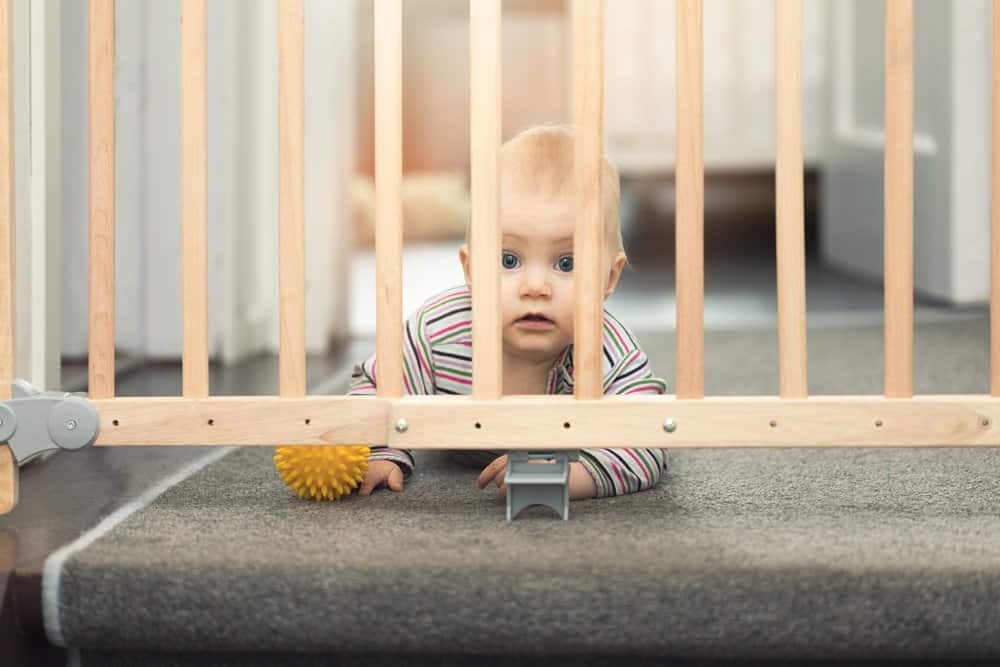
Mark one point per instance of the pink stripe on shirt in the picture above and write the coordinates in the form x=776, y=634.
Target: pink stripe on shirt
x=454, y=378
x=420, y=358
x=644, y=389
x=645, y=473
x=441, y=332
x=617, y=333
x=618, y=473
x=444, y=297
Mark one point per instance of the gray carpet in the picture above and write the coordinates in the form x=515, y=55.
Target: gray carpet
x=829, y=553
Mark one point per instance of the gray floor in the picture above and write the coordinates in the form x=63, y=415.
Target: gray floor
x=741, y=292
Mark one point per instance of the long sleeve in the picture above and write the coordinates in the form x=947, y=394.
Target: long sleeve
x=418, y=378
x=620, y=471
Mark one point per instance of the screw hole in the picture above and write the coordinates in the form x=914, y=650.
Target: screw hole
x=986, y=422
x=774, y=423
x=308, y=421
x=211, y=422
x=878, y=423
x=565, y=424
x=478, y=425
x=115, y=422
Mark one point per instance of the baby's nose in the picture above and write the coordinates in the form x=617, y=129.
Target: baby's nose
x=535, y=286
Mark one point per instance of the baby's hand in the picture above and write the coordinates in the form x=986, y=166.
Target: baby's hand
x=581, y=484
x=494, y=474
x=379, y=474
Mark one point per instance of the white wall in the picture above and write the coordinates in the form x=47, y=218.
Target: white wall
x=37, y=146
x=739, y=83
x=242, y=175
x=951, y=164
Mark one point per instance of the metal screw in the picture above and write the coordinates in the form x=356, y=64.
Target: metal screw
x=402, y=425
x=70, y=424
x=986, y=422
x=669, y=425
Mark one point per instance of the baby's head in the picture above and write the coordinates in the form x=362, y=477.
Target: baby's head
x=537, y=219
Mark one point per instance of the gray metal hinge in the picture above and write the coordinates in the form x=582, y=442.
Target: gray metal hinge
x=36, y=421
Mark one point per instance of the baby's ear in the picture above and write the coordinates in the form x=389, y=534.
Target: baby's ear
x=463, y=257
x=615, y=274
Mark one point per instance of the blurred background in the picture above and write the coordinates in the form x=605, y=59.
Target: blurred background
x=843, y=144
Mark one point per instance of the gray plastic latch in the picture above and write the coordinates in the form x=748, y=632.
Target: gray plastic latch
x=544, y=484
x=36, y=421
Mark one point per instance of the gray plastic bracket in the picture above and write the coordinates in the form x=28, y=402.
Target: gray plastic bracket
x=36, y=421
x=531, y=483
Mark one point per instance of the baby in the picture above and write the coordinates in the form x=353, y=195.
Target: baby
x=537, y=216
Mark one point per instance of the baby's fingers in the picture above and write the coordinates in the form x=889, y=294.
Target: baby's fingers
x=396, y=479
x=372, y=479
x=497, y=478
x=496, y=467
x=485, y=476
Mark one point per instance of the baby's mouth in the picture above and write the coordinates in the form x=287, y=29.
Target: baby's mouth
x=534, y=318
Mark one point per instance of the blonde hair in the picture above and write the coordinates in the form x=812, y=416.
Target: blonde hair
x=539, y=161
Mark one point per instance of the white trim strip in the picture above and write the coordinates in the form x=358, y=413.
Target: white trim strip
x=52, y=571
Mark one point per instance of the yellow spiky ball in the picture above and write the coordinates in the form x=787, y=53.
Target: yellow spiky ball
x=322, y=472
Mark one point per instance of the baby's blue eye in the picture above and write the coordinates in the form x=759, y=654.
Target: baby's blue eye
x=508, y=261
x=565, y=263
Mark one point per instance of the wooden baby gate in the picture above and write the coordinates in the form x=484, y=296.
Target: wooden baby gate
x=487, y=419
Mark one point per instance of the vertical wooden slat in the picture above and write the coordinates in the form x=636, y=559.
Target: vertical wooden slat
x=588, y=114
x=485, y=123
x=101, y=69
x=9, y=481
x=995, y=214
x=690, y=186
x=8, y=313
x=194, y=259
x=388, y=201
x=790, y=207
x=291, y=169
x=898, y=246
x=8, y=468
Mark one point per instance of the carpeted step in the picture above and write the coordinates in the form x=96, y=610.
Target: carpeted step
x=834, y=553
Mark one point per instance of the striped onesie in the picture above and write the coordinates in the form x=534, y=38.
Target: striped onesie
x=437, y=359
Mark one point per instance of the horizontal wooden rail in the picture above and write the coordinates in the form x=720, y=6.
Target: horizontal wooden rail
x=555, y=422
x=243, y=420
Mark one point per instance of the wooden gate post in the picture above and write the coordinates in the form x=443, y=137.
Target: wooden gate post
x=8, y=467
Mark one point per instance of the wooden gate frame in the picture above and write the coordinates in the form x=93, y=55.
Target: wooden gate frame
x=487, y=419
